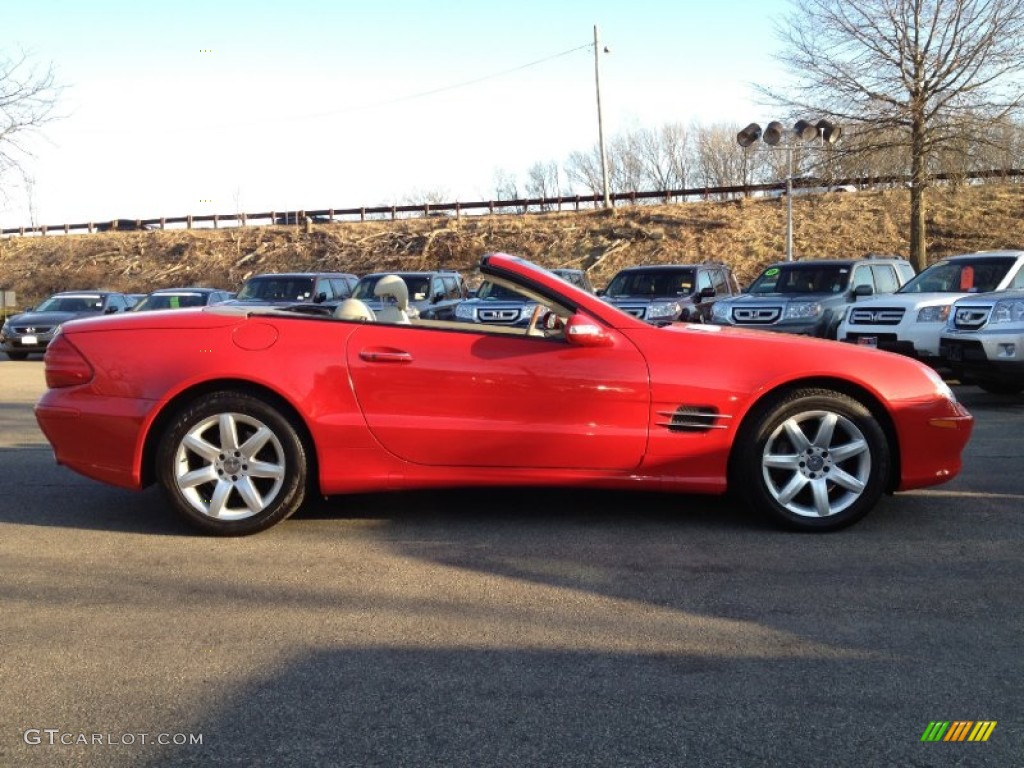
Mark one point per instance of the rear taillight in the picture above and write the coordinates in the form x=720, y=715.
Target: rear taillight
x=65, y=365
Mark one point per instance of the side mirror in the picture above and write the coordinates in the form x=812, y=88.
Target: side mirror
x=582, y=331
x=436, y=298
x=863, y=290
x=707, y=293
x=320, y=298
x=599, y=292
x=109, y=310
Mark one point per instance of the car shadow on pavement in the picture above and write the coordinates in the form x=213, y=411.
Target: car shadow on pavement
x=39, y=492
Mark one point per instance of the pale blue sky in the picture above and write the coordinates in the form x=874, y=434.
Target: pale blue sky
x=313, y=104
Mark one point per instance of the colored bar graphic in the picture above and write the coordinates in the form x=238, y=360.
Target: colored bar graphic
x=959, y=730
x=982, y=730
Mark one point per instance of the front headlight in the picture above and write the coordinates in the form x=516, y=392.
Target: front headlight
x=803, y=310
x=1007, y=311
x=937, y=314
x=671, y=309
x=464, y=312
x=941, y=387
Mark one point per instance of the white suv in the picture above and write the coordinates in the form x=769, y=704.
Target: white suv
x=911, y=320
x=983, y=342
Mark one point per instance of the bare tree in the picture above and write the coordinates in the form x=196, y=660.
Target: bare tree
x=542, y=180
x=28, y=97
x=915, y=72
x=584, y=169
x=717, y=162
x=664, y=156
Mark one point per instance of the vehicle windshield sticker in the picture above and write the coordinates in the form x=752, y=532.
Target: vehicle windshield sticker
x=771, y=272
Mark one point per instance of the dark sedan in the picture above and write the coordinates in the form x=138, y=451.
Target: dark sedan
x=32, y=331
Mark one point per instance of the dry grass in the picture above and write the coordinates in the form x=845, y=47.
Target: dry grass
x=746, y=234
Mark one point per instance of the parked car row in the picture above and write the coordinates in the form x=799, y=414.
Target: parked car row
x=873, y=301
x=963, y=313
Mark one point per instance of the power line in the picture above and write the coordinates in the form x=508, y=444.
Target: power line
x=370, y=106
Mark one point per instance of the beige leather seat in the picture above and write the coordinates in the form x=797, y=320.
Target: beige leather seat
x=354, y=309
x=394, y=295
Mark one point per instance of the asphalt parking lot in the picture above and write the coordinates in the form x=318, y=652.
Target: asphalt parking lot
x=508, y=628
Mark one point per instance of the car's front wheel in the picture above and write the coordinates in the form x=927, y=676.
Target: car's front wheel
x=815, y=460
x=232, y=464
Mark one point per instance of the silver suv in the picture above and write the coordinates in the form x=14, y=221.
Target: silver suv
x=911, y=320
x=983, y=342
x=811, y=297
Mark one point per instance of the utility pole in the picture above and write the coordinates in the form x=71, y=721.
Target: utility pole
x=600, y=122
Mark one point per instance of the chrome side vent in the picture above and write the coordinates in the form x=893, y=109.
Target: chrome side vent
x=693, y=418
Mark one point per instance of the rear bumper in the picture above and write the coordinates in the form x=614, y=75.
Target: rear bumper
x=104, y=443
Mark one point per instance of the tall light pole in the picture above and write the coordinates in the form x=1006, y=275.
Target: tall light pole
x=773, y=133
x=600, y=122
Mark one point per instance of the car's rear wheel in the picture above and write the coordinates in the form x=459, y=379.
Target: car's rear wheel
x=814, y=460
x=232, y=464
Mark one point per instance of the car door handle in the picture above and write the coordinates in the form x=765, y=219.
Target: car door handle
x=385, y=356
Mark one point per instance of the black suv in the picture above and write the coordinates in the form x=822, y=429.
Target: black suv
x=31, y=331
x=287, y=288
x=664, y=293
x=433, y=295
x=811, y=297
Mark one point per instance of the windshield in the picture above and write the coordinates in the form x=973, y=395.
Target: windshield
x=974, y=276
x=293, y=288
x=652, y=283
x=495, y=292
x=807, y=278
x=84, y=303
x=170, y=301
x=418, y=286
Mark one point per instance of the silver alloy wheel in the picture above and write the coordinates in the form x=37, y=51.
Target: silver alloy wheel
x=816, y=463
x=229, y=466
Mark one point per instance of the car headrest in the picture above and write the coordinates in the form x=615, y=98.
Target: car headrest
x=392, y=286
x=354, y=309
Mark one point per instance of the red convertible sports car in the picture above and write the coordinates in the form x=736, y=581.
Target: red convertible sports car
x=240, y=413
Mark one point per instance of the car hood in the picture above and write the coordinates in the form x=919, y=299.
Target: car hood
x=784, y=357
x=629, y=299
x=777, y=298
x=911, y=299
x=48, y=318
x=500, y=302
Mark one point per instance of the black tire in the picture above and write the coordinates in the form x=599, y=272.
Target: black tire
x=813, y=460
x=18, y=355
x=254, y=484
x=1002, y=387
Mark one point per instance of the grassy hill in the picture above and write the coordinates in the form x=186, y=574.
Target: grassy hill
x=745, y=234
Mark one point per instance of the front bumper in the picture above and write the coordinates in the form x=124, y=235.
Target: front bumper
x=933, y=435
x=986, y=356
x=920, y=342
